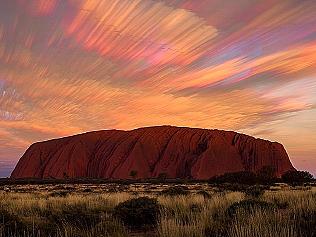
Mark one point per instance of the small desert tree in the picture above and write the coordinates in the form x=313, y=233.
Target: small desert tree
x=133, y=174
x=162, y=176
x=65, y=175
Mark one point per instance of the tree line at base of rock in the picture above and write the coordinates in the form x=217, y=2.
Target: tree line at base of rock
x=266, y=175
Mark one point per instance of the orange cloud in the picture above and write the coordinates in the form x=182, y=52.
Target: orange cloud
x=72, y=66
x=160, y=35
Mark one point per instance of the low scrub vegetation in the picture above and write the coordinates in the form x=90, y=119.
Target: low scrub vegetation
x=197, y=210
x=295, y=177
x=255, y=191
x=138, y=212
x=249, y=206
x=265, y=176
x=176, y=190
x=242, y=177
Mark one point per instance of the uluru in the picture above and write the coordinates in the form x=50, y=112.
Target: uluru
x=177, y=152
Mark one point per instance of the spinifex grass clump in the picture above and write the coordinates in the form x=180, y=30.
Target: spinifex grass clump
x=60, y=193
x=10, y=224
x=138, y=212
x=204, y=193
x=281, y=204
x=254, y=191
x=78, y=215
x=249, y=206
x=285, y=212
x=306, y=223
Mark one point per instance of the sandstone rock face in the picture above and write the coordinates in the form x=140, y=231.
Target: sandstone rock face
x=178, y=152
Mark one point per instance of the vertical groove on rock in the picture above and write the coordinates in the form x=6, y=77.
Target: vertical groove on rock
x=163, y=150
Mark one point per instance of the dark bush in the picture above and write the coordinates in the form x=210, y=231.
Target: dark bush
x=248, y=206
x=297, y=177
x=138, y=212
x=176, y=190
x=87, y=190
x=254, y=191
x=117, y=189
x=232, y=187
x=242, y=177
x=222, y=220
x=162, y=177
x=267, y=174
x=113, y=190
x=133, y=174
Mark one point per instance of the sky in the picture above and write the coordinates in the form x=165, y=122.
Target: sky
x=71, y=66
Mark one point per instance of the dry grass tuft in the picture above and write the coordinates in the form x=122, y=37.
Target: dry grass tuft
x=88, y=211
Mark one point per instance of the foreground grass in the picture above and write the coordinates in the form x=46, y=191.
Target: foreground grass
x=82, y=212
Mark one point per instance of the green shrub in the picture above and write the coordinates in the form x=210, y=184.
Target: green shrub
x=176, y=190
x=138, y=212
